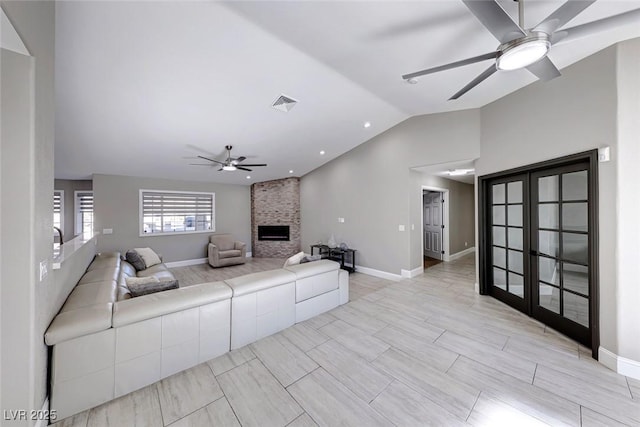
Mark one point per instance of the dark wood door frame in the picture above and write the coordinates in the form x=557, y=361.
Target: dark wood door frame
x=484, y=228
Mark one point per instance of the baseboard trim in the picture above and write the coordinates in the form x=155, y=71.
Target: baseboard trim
x=408, y=274
x=42, y=422
x=186, y=262
x=378, y=273
x=619, y=364
x=460, y=254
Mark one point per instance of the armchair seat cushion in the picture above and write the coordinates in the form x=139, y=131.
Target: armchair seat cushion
x=230, y=253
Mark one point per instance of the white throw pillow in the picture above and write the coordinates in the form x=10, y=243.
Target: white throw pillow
x=149, y=256
x=293, y=260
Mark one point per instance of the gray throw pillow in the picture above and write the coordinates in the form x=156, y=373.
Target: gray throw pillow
x=136, y=260
x=145, y=287
x=310, y=258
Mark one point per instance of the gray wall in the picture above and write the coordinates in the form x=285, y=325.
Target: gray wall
x=461, y=214
x=70, y=186
x=116, y=206
x=370, y=186
x=573, y=113
x=27, y=165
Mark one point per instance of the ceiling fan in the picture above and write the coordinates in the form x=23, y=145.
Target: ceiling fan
x=230, y=164
x=526, y=48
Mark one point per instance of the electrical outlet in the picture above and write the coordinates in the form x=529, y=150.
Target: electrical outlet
x=43, y=270
x=401, y=227
x=107, y=231
x=413, y=227
x=465, y=244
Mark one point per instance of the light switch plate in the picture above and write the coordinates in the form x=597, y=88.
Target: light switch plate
x=604, y=154
x=401, y=227
x=340, y=219
x=107, y=231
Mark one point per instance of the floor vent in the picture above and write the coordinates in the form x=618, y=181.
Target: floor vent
x=284, y=103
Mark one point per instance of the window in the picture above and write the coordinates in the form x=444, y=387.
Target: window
x=83, y=207
x=176, y=212
x=58, y=210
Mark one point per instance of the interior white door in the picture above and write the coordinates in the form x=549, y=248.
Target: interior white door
x=432, y=224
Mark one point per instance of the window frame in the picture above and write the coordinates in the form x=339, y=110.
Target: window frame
x=55, y=233
x=78, y=225
x=141, y=232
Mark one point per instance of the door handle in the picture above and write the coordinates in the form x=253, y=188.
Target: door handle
x=533, y=252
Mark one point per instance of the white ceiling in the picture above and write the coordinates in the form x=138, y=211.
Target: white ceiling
x=144, y=87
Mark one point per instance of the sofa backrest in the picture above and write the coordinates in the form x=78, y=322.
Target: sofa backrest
x=224, y=242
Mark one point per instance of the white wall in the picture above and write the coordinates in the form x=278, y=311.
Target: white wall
x=27, y=165
x=370, y=186
x=571, y=114
x=628, y=201
x=116, y=206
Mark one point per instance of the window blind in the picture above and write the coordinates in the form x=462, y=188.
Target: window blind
x=171, y=212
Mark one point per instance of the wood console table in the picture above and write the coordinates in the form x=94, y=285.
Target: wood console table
x=346, y=257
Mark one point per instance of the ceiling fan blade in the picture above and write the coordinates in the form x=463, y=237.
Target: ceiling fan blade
x=485, y=74
x=562, y=15
x=243, y=169
x=211, y=160
x=490, y=55
x=263, y=164
x=200, y=164
x=240, y=159
x=544, y=69
x=599, y=26
x=496, y=19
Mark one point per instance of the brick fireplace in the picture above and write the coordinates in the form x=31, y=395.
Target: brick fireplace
x=275, y=205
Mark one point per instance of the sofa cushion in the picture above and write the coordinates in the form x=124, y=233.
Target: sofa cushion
x=149, y=256
x=100, y=275
x=91, y=294
x=230, y=253
x=135, y=260
x=105, y=260
x=76, y=323
x=313, y=268
x=224, y=242
x=161, y=303
x=255, y=282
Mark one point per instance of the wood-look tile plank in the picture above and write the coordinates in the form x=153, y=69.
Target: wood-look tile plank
x=588, y=394
x=257, y=398
x=187, y=391
x=634, y=387
x=351, y=370
x=304, y=336
x=283, y=359
x=451, y=394
x=355, y=339
x=218, y=413
x=330, y=403
x=594, y=419
x=436, y=356
x=489, y=412
x=509, y=364
x=319, y=321
x=465, y=325
x=406, y=407
x=536, y=402
x=230, y=360
x=140, y=408
x=360, y=320
x=303, y=420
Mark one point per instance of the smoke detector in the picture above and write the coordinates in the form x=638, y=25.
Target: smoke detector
x=284, y=103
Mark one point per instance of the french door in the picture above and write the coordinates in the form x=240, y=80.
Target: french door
x=539, y=243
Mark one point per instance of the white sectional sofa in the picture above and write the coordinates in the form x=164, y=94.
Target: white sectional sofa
x=106, y=344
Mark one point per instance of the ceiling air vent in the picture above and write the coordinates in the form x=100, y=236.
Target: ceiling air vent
x=284, y=103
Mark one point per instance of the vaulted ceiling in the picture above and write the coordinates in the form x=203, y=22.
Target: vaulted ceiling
x=142, y=88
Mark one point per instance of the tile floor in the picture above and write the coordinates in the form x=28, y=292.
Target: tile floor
x=426, y=351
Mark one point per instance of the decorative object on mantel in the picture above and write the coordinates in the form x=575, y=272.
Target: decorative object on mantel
x=332, y=242
x=344, y=246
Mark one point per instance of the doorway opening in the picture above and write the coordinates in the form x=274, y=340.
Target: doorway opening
x=435, y=225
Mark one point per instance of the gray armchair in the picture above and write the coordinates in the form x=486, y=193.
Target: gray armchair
x=225, y=250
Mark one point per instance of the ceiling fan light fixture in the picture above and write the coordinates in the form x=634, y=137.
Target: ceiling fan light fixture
x=523, y=52
x=460, y=172
x=229, y=167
